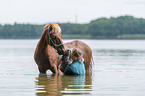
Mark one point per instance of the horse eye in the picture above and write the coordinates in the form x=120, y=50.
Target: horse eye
x=50, y=29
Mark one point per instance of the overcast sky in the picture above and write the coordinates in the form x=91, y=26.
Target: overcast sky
x=44, y=11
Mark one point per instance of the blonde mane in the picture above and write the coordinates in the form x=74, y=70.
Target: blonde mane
x=55, y=28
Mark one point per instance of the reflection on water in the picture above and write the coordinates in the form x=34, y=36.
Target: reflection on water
x=52, y=85
x=118, y=70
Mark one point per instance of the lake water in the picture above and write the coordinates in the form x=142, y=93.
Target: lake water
x=118, y=70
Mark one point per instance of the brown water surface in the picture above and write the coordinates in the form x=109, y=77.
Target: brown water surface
x=118, y=70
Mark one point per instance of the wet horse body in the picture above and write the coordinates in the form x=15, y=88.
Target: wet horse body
x=87, y=53
x=46, y=56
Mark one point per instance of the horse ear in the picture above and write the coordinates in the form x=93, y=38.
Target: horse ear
x=46, y=26
x=59, y=24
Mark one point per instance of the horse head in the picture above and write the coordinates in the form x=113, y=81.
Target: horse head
x=54, y=37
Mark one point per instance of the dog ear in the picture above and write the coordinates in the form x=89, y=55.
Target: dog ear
x=59, y=24
x=46, y=26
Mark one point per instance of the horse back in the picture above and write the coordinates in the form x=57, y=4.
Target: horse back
x=87, y=52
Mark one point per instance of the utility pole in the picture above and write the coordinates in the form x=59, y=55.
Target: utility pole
x=76, y=18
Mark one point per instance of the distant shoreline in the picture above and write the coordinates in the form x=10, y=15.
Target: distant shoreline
x=123, y=27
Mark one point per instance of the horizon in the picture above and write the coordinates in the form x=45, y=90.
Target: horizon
x=69, y=22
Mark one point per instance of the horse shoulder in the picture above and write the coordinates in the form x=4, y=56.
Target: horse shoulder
x=51, y=54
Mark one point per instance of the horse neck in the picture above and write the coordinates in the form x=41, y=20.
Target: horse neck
x=43, y=42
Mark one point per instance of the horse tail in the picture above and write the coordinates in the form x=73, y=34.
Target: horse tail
x=92, y=61
x=88, y=59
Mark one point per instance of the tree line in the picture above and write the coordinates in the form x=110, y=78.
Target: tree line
x=102, y=28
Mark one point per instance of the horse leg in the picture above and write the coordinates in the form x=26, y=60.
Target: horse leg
x=54, y=68
x=41, y=70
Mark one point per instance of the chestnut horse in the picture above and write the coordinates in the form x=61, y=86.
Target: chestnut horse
x=49, y=48
x=87, y=54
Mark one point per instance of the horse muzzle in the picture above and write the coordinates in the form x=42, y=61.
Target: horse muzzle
x=60, y=51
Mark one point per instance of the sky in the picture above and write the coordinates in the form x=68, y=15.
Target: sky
x=64, y=11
